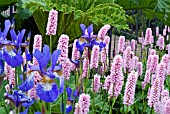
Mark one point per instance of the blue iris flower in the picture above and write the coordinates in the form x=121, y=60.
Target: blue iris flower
x=71, y=96
x=4, y=33
x=88, y=39
x=11, y=55
x=47, y=89
x=19, y=99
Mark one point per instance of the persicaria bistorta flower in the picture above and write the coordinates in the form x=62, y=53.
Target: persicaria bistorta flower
x=85, y=67
x=94, y=57
x=66, y=68
x=157, y=31
x=127, y=59
x=161, y=42
x=153, y=63
x=103, y=31
x=84, y=103
x=52, y=22
x=96, y=83
x=133, y=44
x=148, y=36
x=63, y=46
x=75, y=52
x=121, y=44
x=147, y=78
x=167, y=107
x=130, y=88
x=107, y=83
x=139, y=68
x=154, y=93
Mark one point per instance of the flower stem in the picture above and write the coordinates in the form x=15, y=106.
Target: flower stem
x=51, y=44
x=113, y=102
x=65, y=96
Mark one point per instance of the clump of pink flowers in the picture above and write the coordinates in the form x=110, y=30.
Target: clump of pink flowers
x=129, y=92
x=94, y=57
x=96, y=83
x=52, y=22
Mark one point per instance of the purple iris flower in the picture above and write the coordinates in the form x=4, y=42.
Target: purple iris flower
x=4, y=33
x=47, y=89
x=71, y=97
x=88, y=39
x=19, y=99
x=12, y=56
x=1, y=67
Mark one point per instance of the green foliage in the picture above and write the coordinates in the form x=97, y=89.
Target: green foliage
x=72, y=13
x=152, y=8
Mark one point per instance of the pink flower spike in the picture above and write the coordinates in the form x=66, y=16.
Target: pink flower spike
x=154, y=93
x=63, y=46
x=52, y=23
x=157, y=31
x=103, y=31
x=94, y=57
x=121, y=44
x=148, y=36
x=66, y=68
x=107, y=83
x=167, y=107
x=96, y=83
x=133, y=44
x=139, y=68
x=85, y=67
x=152, y=51
x=75, y=52
x=130, y=88
x=84, y=103
x=167, y=37
x=161, y=43
x=164, y=32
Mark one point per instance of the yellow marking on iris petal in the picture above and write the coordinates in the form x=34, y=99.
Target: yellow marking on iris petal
x=68, y=102
x=46, y=79
x=9, y=47
x=82, y=39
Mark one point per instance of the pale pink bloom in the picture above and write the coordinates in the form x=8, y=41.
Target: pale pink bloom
x=152, y=51
x=154, y=63
x=164, y=32
x=161, y=74
x=165, y=93
x=7, y=88
x=11, y=78
x=52, y=23
x=143, y=85
x=161, y=43
x=130, y=88
x=106, y=40
x=154, y=93
x=77, y=109
x=37, y=45
x=140, y=40
x=168, y=29
x=148, y=36
x=168, y=48
x=153, y=79
x=94, y=57
x=103, y=31
x=96, y=83
x=136, y=59
x=85, y=67
x=127, y=59
x=103, y=55
x=158, y=107
x=121, y=44
x=148, y=94
x=66, y=68
x=133, y=44
x=84, y=103
x=147, y=76
x=107, y=83
x=75, y=51
x=8, y=70
x=167, y=107
x=139, y=68
x=85, y=53
x=167, y=37
x=165, y=60
x=149, y=61
x=63, y=46
x=157, y=31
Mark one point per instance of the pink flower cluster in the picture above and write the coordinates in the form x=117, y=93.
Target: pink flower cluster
x=130, y=88
x=94, y=57
x=52, y=22
x=133, y=44
x=153, y=63
x=160, y=43
x=66, y=68
x=140, y=68
x=148, y=37
x=10, y=75
x=146, y=79
x=83, y=104
x=121, y=44
x=127, y=56
x=63, y=46
x=154, y=93
x=103, y=31
x=116, y=75
x=75, y=51
x=96, y=83
x=107, y=83
x=157, y=31
x=85, y=67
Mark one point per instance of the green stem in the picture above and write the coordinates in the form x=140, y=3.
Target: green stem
x=103, y=107
x=51, y=44
x=151, y=112
x=65, y=96
x=113, y=102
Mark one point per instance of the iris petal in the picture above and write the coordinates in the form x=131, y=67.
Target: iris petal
x=48, y=94
x=13, y=34
x=90, y=30
x=1, y=67
x=7, y=26
x=69, y=91
x=83, y=28
x=55, y=56
x=69, y=108
x=28, y=84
